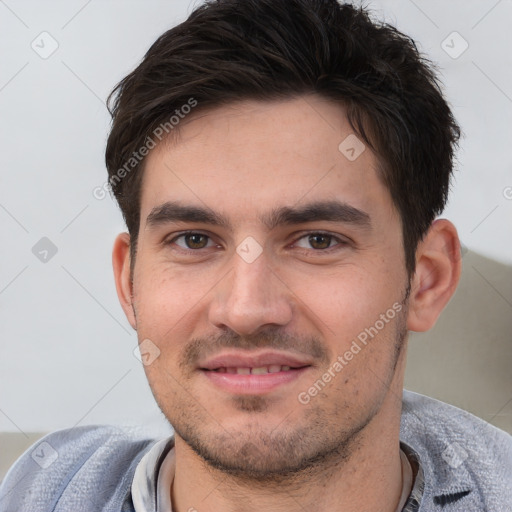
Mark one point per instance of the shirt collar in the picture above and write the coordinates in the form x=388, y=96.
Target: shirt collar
x=414, y=501
x=155, y=471
x=150, y=489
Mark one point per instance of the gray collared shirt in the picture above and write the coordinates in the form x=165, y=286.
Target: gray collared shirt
x=155, y=472
x=463, y=465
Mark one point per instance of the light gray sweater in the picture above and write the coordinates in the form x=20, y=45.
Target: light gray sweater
x=466, y=465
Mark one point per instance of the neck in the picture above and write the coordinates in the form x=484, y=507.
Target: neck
x=368, y=478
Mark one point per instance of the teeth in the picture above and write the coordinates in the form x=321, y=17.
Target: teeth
x=262, y=370
x=259, y=371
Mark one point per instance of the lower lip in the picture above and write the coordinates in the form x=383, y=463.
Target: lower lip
x=253, y=384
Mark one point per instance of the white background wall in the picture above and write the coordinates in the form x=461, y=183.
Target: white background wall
x=66, y=348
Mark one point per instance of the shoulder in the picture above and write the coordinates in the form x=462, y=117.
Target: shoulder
x=464, y=458
x=82, y=468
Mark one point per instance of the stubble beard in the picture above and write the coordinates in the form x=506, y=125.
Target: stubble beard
x=261, y=455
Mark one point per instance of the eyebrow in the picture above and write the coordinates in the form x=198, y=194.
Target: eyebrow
x=331, y=211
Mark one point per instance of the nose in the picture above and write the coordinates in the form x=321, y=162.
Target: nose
x=250, y=298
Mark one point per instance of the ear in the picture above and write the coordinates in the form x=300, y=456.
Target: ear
x=438, y=268
x=124, y=286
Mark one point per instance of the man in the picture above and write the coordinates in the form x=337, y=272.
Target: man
x=280, y=165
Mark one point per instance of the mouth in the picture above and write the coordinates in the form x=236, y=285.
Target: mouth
x=253, y=373
x=261, y=370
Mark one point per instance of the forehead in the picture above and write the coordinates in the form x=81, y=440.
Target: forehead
x=250, y=156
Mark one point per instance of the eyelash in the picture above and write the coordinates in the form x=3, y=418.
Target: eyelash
x=340, y=242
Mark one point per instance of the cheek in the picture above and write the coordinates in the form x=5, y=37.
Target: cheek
x=346, y=302
x=166, y=298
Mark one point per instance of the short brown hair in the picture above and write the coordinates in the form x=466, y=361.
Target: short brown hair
x=229, y=50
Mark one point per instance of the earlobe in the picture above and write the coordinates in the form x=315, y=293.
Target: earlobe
x=438, y=268
x=121, y=265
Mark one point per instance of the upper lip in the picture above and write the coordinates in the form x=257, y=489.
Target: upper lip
x=253, y=360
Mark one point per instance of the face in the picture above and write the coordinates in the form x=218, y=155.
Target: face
x=266, y=247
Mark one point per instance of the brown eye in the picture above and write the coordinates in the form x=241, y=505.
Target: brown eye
x=196, y=240
x=319, y=241
x=191, y=241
